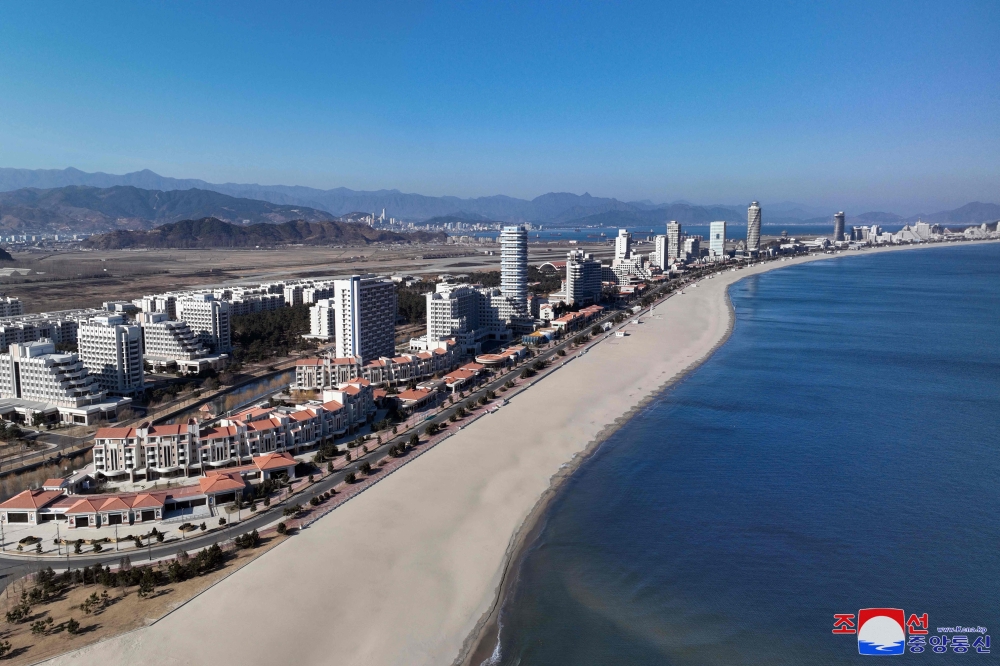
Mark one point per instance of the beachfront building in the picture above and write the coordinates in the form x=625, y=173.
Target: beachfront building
x=674, y=236
x=514, y=265
x=469, y=315
x=692, y=247
x=623, y=245
x=209, y=319
x=583, y=278
x=659, y=256
x=753, y=228
x=717, y=239
x=327, y=372
x=111, y=350
x=35, y=379
x=838, y=227
x=364, y=317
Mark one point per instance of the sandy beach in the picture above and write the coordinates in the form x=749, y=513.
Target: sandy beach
x=408, y=571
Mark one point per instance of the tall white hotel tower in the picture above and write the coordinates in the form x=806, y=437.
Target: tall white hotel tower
x=514, y=264
x=753, y=227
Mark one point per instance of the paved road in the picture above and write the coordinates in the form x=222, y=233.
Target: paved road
x=19, y=564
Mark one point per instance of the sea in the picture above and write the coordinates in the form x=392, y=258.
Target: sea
x=841, y=451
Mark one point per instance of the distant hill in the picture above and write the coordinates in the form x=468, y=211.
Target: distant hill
x=554, y=208
x=210, y=232
x=970, y=213
x=80, y=209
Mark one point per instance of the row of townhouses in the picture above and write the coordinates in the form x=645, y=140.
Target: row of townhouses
x=325, y=372
x=182, y=450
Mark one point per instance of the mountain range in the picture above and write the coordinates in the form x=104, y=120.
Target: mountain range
x=210, y=232
x=80, y=208
x=277, y=203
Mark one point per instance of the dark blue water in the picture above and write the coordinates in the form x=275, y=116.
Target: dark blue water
x=840, y=451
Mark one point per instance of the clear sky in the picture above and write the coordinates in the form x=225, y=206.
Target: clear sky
x=875, y=105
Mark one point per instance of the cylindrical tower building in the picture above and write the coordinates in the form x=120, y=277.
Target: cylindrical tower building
x=838, y=226
x=753, y=227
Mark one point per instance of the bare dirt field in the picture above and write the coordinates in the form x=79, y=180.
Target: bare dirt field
x=63, y=280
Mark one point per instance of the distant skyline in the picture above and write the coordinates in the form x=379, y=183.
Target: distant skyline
x=890, y=106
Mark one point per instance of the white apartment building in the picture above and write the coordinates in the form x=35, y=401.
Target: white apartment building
x=364, y=317
x=168, y=343
x=514, y=265
x=36, y=379
x=111, y=350
x=717, y=239
x=60, y=327
x=583, y=278
x=468, y=314
x=623, y=245
x=674, y=235
x=10, y=306
x=659, y=257
x=692, y=247
x=210, y=319
x=158, y=303
x=322, y=320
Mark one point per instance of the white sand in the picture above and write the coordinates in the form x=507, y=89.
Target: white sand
x=402, y=573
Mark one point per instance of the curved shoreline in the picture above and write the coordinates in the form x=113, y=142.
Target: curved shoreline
x=484, y=640
x=408, y=571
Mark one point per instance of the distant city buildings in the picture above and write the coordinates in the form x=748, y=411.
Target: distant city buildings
x=10, y=306
x=753, y=228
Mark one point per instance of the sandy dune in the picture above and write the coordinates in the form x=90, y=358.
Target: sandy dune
x=403, y=573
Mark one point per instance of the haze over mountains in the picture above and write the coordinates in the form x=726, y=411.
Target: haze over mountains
x=73, y=199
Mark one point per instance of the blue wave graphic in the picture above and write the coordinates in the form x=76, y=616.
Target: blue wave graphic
x=867, y=647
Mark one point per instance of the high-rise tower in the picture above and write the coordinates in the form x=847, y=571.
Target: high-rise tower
x=623, y=245
x=673, y=241
x=838, y=226
x=514, y=264
x=717, y=239
x=753, y=227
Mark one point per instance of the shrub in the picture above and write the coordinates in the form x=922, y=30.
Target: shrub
x=72, y=626
x=222, y=522
x=282, y=528
x=414, y=439
x=350, y=478
x=366, y=467
x=314, y=501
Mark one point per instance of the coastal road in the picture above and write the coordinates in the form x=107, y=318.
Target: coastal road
x=15, y=565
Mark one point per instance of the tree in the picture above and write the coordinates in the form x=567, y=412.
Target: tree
x=414, y=439
x=267, y=498
x=366, y=467
x=350, y=478
x=253, y=506
x=222, y=522
x=282, y=528
x=72, y=626
x=329, y=467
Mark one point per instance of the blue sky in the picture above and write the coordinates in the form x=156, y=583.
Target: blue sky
x=873, y=105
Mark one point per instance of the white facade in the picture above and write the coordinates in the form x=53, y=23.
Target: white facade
x=468, y=314
x=34, y=371
x=692, y=247
x=583, y=278
x=717, y=239
x=111, y=350
x=10, y=306
x=365, y=317
x=514, y=264
x=623, y=245
x=322, y=320
x=166, y=340
x=673, y=241
x=659, y=257
x=753, y=227
x=210, y=320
